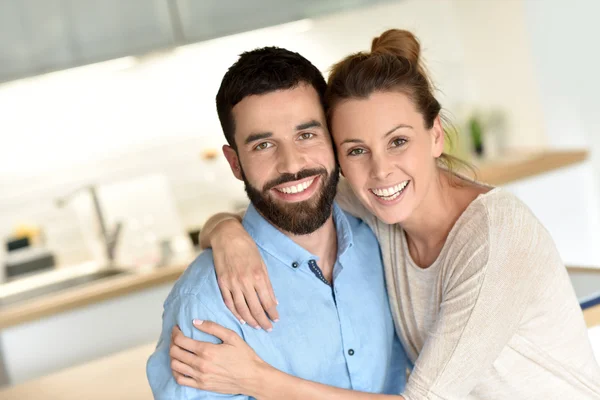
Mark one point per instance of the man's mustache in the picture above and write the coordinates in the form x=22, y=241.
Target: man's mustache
x=285, y=178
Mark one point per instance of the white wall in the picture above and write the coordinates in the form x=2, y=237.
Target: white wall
x=563, y=36
x=115, y=121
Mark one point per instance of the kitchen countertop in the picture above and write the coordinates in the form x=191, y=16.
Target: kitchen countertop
x=135, y=280
x=117, y=376
x=520, y=166
x=495, y=172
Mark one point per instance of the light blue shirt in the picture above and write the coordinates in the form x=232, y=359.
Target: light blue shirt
x=340, y=335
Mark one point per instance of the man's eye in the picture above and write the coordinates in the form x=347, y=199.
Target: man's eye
x=263, y=146
x=306, y=135
x=356, y=152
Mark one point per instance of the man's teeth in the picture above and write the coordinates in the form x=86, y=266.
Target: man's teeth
x=390, y=193
x=301, y=187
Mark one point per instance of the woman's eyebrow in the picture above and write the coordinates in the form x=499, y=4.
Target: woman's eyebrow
x=394, y=129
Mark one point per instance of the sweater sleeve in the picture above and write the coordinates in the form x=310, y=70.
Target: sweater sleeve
x=348, y=201
x=487, y=289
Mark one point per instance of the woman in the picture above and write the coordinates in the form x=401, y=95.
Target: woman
x=481, y=300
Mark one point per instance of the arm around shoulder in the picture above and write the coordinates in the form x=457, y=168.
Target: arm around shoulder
x=208, y=230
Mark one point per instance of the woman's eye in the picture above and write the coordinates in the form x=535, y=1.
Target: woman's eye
x=306, y=135
x=398, y=142
x=263, y=146
x=356, y=152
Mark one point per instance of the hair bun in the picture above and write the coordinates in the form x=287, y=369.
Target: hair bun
x=399, y=43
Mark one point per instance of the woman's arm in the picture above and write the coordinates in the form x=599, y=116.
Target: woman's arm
x=241, y=273
x=276, y=385
x=218, y=220
x=233, y=367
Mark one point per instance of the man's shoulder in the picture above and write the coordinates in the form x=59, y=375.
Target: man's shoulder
x=358, y=227
x=199, y=280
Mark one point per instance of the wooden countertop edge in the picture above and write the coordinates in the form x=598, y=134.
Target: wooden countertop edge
x=592, y=316
x=89, y=294
x=510, y=170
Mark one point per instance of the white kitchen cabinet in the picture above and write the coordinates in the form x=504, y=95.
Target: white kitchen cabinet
x=35, y=38
x=40, y=347
x=38, y=36
x=109, y=29
x=15, y=53
x=201, y=20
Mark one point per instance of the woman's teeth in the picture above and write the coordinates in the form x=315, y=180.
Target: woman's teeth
x=301, y=187
x=390, y=193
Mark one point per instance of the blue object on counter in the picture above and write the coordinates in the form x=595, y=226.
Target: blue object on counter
x=591, y=302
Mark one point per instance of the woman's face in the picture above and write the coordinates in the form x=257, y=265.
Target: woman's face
x=386, y=152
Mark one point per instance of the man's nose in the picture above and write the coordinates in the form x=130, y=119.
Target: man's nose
x=291, y=160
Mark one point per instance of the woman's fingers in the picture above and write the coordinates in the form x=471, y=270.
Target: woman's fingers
x=228, y=300
x=239, y=300
x=184, y=356
x=227, y=336
x=180, y=340
x=256, y=308
x=185, y=381
x=267, y=300
x=183, y=369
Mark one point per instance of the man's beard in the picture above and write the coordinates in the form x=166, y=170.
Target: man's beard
x=299, y=218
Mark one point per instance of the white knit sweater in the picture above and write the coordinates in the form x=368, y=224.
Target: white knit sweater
x=495, y=316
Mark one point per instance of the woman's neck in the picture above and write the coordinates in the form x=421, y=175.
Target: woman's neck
x=430, y=223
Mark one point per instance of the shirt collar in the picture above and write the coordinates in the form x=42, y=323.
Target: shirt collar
x=280, y=246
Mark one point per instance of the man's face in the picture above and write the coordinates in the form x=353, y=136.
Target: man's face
x=285, y=158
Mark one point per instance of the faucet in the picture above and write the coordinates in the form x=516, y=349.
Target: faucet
x=110, y=239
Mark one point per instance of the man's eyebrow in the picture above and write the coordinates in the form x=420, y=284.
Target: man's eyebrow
x=310, y=124
x=258, y=136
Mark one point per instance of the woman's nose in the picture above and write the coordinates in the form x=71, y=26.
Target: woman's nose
x=381, y=168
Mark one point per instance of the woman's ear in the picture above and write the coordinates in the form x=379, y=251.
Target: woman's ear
x=437, y=148
x=234, y=161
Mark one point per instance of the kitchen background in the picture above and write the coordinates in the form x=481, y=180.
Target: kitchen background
x=108, y=123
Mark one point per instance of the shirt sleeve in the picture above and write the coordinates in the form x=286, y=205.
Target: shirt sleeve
x=486, y=293
x=181, y=310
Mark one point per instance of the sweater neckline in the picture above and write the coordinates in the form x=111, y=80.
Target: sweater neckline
x=455, y=228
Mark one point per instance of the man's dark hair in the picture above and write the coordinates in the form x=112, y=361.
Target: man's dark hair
x=263, y=71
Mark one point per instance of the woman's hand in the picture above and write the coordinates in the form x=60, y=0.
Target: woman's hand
x=242, y=275
x=230, y=368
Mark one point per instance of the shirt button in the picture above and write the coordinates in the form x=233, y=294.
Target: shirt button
x=351, y=352
x=295, y=264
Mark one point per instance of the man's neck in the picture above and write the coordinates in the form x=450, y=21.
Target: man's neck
x=323, y=244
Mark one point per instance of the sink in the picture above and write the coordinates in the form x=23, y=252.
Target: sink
x=60, y=285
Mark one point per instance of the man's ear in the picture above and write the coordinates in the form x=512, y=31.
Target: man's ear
x=233, y=160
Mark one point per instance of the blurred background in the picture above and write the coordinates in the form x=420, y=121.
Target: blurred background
x=110, y=159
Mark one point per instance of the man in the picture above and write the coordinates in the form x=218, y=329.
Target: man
x=270, y=105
